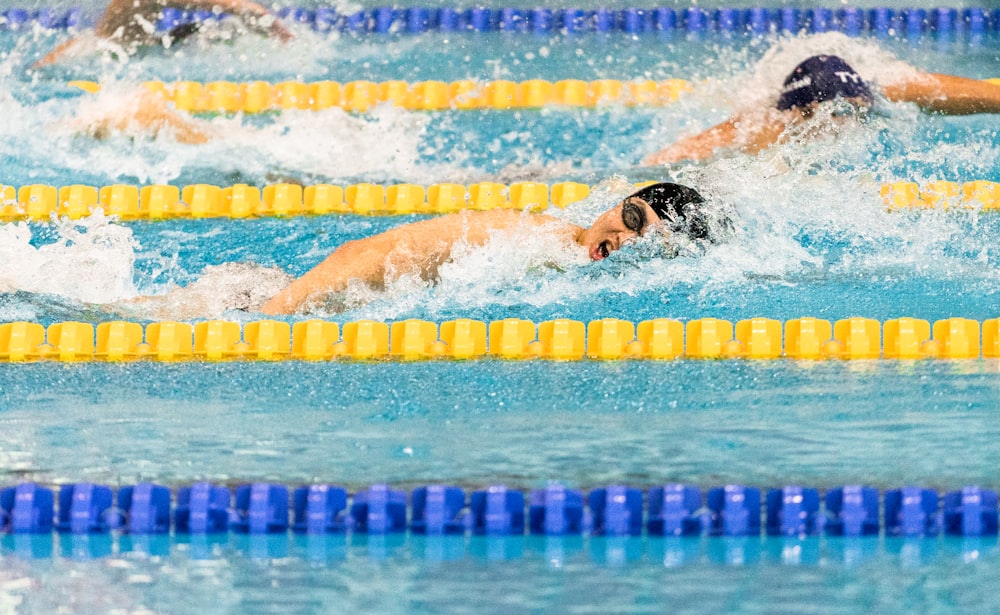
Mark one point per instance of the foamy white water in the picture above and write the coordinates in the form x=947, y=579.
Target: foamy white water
x=90, y=260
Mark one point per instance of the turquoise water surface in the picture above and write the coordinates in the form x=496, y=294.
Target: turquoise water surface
x=811, y=238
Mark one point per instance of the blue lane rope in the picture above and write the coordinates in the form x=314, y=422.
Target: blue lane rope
x=556, y=510
x=853, y=21
x=19, y=18
x=758, y=20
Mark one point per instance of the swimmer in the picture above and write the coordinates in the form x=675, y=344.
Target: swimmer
x=132, y=24
x=139, y=113
x=676, y=213
x=826, y=86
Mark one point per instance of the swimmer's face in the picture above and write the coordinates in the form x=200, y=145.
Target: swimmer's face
x=612, y=229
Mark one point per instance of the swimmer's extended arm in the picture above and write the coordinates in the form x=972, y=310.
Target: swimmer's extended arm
x=946, y=94
x=748, y=132
x=414, y=248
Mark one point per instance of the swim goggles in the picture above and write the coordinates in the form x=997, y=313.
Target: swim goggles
x=633, y=217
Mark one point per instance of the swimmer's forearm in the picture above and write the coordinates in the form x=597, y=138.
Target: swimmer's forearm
x=363, y=260
x=288, y=301
x=53, y=56
x=295, y=295
x=749, y=133
x=947, y=94
x=696, y=147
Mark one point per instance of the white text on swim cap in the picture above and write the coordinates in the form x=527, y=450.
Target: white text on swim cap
x=844, y=75
x=799, y=83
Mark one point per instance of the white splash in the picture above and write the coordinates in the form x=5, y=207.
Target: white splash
x=90, y=260
x=220, y=290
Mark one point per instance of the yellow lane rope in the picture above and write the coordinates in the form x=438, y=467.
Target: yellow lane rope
x=512, y=338
x=39, y=202
x=360, y=96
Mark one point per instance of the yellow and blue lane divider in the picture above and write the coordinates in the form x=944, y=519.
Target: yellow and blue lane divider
x=39, y=202
x=559, y=339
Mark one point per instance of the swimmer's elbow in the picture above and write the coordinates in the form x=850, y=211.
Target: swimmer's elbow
x=279, y=305
x=270, y=310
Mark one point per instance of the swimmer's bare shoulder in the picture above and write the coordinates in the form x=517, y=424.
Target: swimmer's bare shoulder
x=418, y=247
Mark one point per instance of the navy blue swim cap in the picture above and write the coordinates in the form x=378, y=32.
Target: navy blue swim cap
x=679, y=206
x=822, y=78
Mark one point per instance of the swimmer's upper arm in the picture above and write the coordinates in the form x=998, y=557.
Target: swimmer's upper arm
x=418, y=247
x=698, y=146
x=362, y=259
x=946, y=94
x=414, y=248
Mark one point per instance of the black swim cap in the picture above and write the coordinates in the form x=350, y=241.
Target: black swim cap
x=679, y=207
x=184, y=30
x=822, y=78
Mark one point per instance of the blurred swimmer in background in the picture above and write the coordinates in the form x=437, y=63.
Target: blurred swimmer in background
x=128, y=25
x=822, y=95
x=826, y=88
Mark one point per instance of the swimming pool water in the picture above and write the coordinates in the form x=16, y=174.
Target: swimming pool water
x=812, y=239
x=590, y=424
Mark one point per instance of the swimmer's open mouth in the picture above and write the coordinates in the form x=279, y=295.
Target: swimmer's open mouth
x=602, y=251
